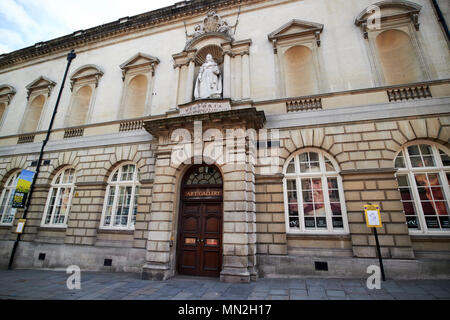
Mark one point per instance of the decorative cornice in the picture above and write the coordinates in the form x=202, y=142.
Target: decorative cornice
x=121, y=26
x=395, y=9
x=7, y=92
x=40, y=83
x=306, y=27
x=255, y=118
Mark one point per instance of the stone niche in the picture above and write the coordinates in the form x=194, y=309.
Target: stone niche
x=213, y=36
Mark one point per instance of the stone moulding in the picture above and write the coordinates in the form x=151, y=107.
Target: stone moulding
x=160, y=126
x=39, y=84
x=7, y=92
x=86, y=72
x=399, y=9
x=139, y=60
x=301, y=29
x=121, y=26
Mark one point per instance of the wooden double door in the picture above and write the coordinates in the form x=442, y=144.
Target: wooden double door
x=200, y=239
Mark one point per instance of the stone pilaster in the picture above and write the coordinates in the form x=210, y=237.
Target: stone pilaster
x=157, y=265
x=377, y=187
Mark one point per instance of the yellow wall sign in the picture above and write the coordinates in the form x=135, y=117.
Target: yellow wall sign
x=373, y=216
x=20, y=225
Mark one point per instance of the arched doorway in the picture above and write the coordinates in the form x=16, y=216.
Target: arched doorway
x=199, y=249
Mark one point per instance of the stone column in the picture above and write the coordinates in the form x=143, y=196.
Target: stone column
x=177, y=85
x=189, y=82
x=236, y=93
x=227, y=76
x=245, y=75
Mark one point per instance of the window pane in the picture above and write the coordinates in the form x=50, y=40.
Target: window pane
x=6, y=209
x=425, y=149
x=432, y=222
x=338, y=222
x=292, y=196
x=310, y=223
x=291, y=167
x=408, y=202
x=402, y=181
x=293, y=208
x=51, y=205
x=135, y=206
x=431, y=195
x=416, y=162
x=321, y=222
x=412, y=222
x=399, y=161
x=123, y=206
x=294, y=222
x=429, y=161
x=445, y=222
x=445, y=158
x=421, y=156
x=336, y=209
x=308, y=209
x=62, y=206
x=413, y=151
x=58, y=178
x=291, y=185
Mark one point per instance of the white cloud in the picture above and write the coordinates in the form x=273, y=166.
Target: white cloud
x=35, y=21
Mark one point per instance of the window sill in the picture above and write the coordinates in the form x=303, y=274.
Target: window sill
x=430, y=237
x=5, y=226
x=321, y=236
x=116, y=231
x=52, y=228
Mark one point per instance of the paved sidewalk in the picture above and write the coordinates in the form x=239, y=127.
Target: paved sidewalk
x=43, y=284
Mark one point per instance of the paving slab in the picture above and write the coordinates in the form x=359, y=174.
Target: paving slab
x=51, y=285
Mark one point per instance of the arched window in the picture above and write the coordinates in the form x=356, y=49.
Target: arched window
x=33, y=114
x=80, y=107
x=313, y=196
x=299, y=69
x=120, y=206
x=136, y=97
x=423, y=178
x=59, y=199
x=398, y=58
x=204, y=175
x=7, y=212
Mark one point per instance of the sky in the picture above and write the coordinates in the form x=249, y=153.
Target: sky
x=26, y=22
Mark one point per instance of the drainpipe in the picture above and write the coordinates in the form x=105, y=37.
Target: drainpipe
x=70, y=57
x=441, y=19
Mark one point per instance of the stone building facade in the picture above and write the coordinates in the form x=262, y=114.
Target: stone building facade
x=325, y=106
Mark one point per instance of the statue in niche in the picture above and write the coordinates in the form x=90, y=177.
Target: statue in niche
x=209, y=80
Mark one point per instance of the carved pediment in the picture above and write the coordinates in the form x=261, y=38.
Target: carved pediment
x=86, y=72
x=212, y=25
x=6, y=93
x=388, y=10
x=39, y=84
x=140, y=60
x=296, y=29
